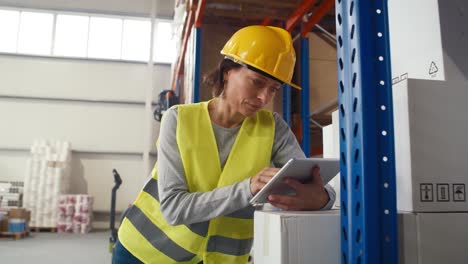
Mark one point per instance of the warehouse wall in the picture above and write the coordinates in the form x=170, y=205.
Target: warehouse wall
x=99, y=106
x=77, y=79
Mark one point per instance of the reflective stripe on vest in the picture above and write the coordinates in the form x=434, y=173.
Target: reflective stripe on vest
x=226, y=245
x=226, y=239
x=151, y=188
x=157, y=237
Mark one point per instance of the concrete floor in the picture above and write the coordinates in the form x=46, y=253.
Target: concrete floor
x=53, y=248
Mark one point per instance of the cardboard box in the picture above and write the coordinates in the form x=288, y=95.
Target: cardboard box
x=415, y=39
x=322, y=71
x=430, y=145
x=28, y=216
x=4, y=224
x=331, y=149
x=430, y=117
x=313, y=237
x=433, y=238
x=431, y=149
x=17, y=213
x=297, y=237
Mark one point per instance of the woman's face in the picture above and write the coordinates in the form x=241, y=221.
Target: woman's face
x=248, y=91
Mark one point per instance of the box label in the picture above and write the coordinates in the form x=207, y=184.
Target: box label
x=427, y=192
x=443, y=193
x=459, y=194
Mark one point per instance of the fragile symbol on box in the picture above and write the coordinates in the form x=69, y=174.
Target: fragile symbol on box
x=426, y=192
x=443, y=193
x=459, y=193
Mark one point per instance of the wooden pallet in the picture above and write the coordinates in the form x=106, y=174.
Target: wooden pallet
x=43, y=229
x=14, y=235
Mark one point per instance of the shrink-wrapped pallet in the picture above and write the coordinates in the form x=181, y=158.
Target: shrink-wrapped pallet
x=47, y=177
x=75, y=213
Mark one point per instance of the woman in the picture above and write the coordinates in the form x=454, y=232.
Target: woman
x=214, y=156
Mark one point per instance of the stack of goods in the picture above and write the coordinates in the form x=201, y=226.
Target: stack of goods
x=18, y=220
x=11, y=194
x=75, y=213
x=47, y=177
x=3, y=220
x=15, y=220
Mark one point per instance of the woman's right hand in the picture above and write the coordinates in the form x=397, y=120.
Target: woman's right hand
x=263, y=177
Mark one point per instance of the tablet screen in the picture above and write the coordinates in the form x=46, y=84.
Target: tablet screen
x=299, y=169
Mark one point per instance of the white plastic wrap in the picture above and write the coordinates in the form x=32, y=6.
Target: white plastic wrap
x=75, y=213
x=46, y=179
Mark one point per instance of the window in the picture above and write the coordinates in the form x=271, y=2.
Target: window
x=105, y=37
x=164, y=43
x=136, y=40
x=35, y=33
x=9, y=21
x=85, y=36
x=71, y=36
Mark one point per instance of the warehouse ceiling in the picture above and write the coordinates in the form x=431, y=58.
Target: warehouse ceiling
x=247, y=12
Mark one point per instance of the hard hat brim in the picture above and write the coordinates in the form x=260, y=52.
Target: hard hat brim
x=261, y=71
x=294, y=86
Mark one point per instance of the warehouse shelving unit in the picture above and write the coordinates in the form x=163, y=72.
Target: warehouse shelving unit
x=304, y=61
x=287, y=104
x=368, y=187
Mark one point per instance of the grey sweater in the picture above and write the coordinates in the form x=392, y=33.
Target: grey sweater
x=179, y=206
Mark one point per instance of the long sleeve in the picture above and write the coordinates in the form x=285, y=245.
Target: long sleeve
x=178, y=205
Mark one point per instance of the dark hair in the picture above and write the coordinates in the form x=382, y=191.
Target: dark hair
x=215, y=79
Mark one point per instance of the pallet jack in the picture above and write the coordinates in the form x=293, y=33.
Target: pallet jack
x=117, y=183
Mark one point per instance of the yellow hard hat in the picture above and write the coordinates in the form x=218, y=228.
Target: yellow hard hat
x=265, y=48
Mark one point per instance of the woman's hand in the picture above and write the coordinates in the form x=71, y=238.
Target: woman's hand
x=263, y=177
x=309, y=196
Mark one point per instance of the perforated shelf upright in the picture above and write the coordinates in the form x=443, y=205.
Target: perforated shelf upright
x=368, y=186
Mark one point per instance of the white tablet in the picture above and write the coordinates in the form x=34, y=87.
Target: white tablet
x=300, y=169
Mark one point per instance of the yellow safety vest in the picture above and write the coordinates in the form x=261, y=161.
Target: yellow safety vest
x=226, y=239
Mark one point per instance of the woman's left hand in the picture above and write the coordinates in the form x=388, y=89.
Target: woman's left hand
x=309, y=196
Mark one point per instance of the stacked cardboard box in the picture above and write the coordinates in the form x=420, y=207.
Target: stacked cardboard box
x=18, y=220
x=297, y=237
x=3, y=220
x=431, y=216
x=431, y=149
x=14, y=220
x=432, y=238
x=430, y=132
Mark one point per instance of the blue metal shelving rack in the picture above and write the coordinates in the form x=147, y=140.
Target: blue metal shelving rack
x=287, y=104
x=197, y=57
x=305, y=144
x=368, y=191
